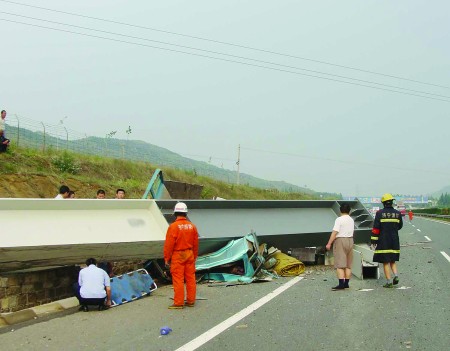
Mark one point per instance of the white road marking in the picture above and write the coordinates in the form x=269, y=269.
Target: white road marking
x=413, y=225
x=404, y=288
x=435, y=221
x=365, y=290
x=221, y=327
x=447, y=257
x=418, y=230
x=427, y=238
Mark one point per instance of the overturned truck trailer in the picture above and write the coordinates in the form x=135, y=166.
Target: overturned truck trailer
x=281, y=223
x=47, y=232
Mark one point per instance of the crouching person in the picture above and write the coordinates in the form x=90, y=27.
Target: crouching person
x=93, y=287
x=4, y=143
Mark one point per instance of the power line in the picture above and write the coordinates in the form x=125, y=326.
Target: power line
x=226, y=43
x=224, y=54
x=222, y=59
x=343, y=161
x=209, y=157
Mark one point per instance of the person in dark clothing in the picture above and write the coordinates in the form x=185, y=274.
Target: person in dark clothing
x=3, y=142
x=385, y=240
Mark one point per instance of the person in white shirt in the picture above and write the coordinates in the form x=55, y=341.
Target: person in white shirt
x=63, y=192
x=2, y=121
x=93, y=287
x=342, y=240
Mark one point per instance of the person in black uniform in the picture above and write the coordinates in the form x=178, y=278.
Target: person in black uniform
x=385, y=241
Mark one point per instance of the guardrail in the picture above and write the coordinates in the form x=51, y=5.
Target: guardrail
x=431, y=215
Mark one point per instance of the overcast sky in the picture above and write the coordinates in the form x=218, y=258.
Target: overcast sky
x=327, y=135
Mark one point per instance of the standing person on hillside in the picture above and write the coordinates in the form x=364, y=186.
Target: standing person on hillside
x=342, y=240
x=180, y=254
x=385, y=240
x=2, y=121
x=64, y=192
x=120, y=194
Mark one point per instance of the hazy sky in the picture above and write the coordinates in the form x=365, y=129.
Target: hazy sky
x=388, y=142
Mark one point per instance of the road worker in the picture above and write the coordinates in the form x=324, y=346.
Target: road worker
x=410, y=215
x=385, y=240
x=180, y=254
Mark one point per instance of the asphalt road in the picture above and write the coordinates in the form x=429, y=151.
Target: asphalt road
x=306, y=316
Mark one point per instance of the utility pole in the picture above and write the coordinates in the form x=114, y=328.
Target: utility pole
x=238, y=162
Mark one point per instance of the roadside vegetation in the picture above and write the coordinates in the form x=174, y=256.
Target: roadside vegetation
x=41, y=173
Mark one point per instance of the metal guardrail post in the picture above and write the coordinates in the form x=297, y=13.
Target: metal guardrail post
x=67, y=138
x=18, y=130
x=43, y=125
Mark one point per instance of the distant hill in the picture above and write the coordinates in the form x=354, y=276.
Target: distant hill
x=142, y=151
x=445, y=190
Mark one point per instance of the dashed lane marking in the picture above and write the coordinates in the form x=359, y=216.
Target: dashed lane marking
x=435, y=221
x=418, y=230
x=447, y=257
x=221, y=327
x=427, y=238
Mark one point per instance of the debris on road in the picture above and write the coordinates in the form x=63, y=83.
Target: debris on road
x=287, y=266
x=415, y=244
x=243, y=261
x=242, y=326
x=165, y=330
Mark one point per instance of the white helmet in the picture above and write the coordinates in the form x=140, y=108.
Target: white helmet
x=180, y=207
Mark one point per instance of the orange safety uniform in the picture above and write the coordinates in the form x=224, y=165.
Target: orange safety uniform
x=410, y=215
x=181, y=251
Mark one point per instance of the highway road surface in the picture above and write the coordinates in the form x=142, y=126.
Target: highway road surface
x=287, y=314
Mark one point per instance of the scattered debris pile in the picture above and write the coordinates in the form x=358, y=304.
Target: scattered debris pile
x=243, y=261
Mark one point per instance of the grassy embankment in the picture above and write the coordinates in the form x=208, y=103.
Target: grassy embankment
x=33, y=173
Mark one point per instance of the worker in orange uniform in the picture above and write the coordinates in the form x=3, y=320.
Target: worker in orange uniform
x=410, y=215
x=180, y=253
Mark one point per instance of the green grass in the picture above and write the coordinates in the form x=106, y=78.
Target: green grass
x=91, y=172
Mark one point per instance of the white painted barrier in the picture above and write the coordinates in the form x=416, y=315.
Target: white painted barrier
x=49, y=232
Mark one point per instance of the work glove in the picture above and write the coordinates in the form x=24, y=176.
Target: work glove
x=167, y=265
x=373, y=247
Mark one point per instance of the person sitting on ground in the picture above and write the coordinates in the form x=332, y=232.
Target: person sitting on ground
x=101, y=194
x=120, y=194
x=71, y=194
x=4, y=143
x=63, y=192
x=93, y=287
